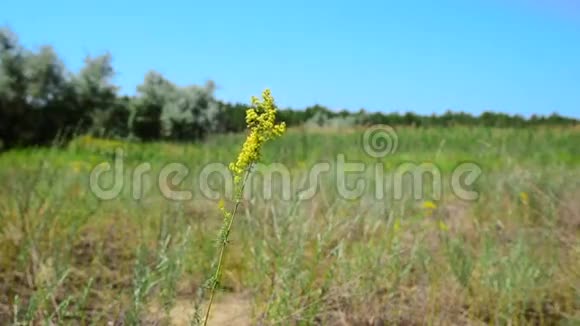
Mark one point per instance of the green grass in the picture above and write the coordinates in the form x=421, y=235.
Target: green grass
x=512, y=256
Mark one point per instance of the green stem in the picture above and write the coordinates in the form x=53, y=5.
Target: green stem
x=224, y=243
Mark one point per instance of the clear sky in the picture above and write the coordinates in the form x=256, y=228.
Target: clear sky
x=515, y=56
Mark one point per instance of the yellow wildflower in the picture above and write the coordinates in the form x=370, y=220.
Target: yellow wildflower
x=78, y=166
x=429, y=207
x=397, y=226
x=261, y=120
x=222, y=208
x=524, y=198
x=222, y=205
x=443, y=227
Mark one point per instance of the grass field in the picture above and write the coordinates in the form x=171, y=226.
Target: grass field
x=511, y=257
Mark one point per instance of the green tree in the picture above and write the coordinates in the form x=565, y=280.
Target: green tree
x=164, y=110
x=190, y=113
x=96, y=96
x=145, y=120
x=34, y=94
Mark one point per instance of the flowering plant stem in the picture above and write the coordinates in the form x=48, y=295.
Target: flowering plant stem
x=224, y=239
x=261, y=122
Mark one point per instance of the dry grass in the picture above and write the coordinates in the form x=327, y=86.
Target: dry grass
x=508, y=258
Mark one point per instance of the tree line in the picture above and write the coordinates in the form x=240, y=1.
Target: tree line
x=41, y=100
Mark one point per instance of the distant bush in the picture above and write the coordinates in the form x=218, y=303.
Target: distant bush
x=163, y=110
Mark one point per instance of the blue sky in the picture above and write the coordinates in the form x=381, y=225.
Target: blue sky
x=428, y=56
